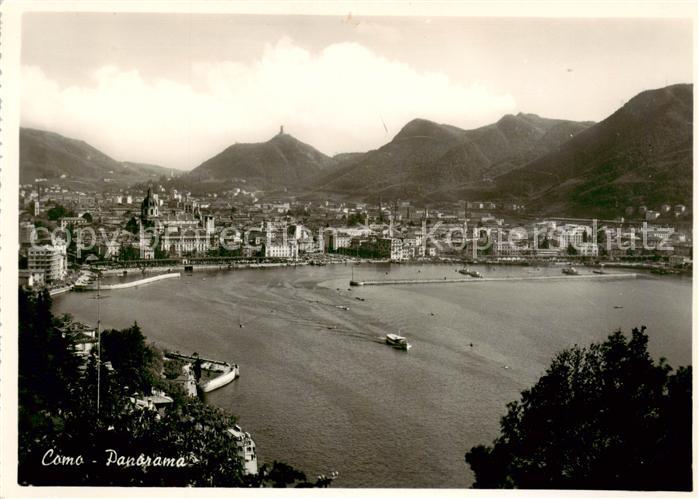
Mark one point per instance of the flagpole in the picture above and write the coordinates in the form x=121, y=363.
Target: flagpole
x=99, y=344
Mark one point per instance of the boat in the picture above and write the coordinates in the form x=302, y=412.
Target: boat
x=471, y=273
x=218, y=373
x=397, y=341
x=246, y=449
x=598, y=271
x=570, y=271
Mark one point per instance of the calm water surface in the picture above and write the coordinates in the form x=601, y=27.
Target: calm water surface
x=320, y=389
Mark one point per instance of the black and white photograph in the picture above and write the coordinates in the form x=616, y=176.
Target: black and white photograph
x=346, y=246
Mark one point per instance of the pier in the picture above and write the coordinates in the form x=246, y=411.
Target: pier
x=386, y=282
x=130, y=284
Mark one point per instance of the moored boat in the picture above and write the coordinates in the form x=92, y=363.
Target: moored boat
x=570, y=271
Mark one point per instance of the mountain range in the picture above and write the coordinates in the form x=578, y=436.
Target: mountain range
x=433, y=161
x=76, y=163
x=641, y=154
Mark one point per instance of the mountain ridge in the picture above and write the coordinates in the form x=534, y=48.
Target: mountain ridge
x=640, y=154
x=50, y=155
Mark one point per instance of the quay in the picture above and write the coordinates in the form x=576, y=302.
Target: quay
x=130, y=284
x=618, y=275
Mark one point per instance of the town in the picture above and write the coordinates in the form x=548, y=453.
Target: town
x=153, y=228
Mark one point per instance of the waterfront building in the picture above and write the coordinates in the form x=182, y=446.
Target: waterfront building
x=572, y=235
x=246, y=449
x=390, y=247
x=587, y=249
x=545, y=252
x=281, y=249
x=508, y=247
x=51, y=260
x=337, y=240
x=179, y=242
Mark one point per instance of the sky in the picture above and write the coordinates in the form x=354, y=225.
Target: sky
x=176, y=89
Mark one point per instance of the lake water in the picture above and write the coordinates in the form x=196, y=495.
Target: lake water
x=321, y=390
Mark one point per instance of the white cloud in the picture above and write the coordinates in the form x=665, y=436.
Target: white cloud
x=335, y=100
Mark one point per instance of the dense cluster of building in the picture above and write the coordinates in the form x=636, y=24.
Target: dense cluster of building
x=58, y=226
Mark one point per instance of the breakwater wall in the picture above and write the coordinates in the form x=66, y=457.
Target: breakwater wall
x=197, y=267
x=58, y=291
x=131, y=284
x=386, y=282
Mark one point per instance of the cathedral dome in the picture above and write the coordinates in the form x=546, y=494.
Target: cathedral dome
x=149, y=206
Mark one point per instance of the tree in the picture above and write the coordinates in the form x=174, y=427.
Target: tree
x=128, y=252
x=571, y=250
x=132, y=226
x=136, y=363
x=355, y=219
x=58, y=410
x=602, y=417
x=87, y=217
x=59, y=211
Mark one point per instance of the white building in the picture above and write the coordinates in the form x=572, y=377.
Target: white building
x=184, y=241
x=282, y=249
x=338, y=240
x=572, y=235
x=390, y=247
x=587, y=249
x=246, y=449
x=51, y=260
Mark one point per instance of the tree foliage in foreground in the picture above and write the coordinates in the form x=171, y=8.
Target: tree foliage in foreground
x=603, y=417
x=58, y=413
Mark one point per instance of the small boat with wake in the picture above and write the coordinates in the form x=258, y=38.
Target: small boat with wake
x=398, y=342
x=471, y=273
